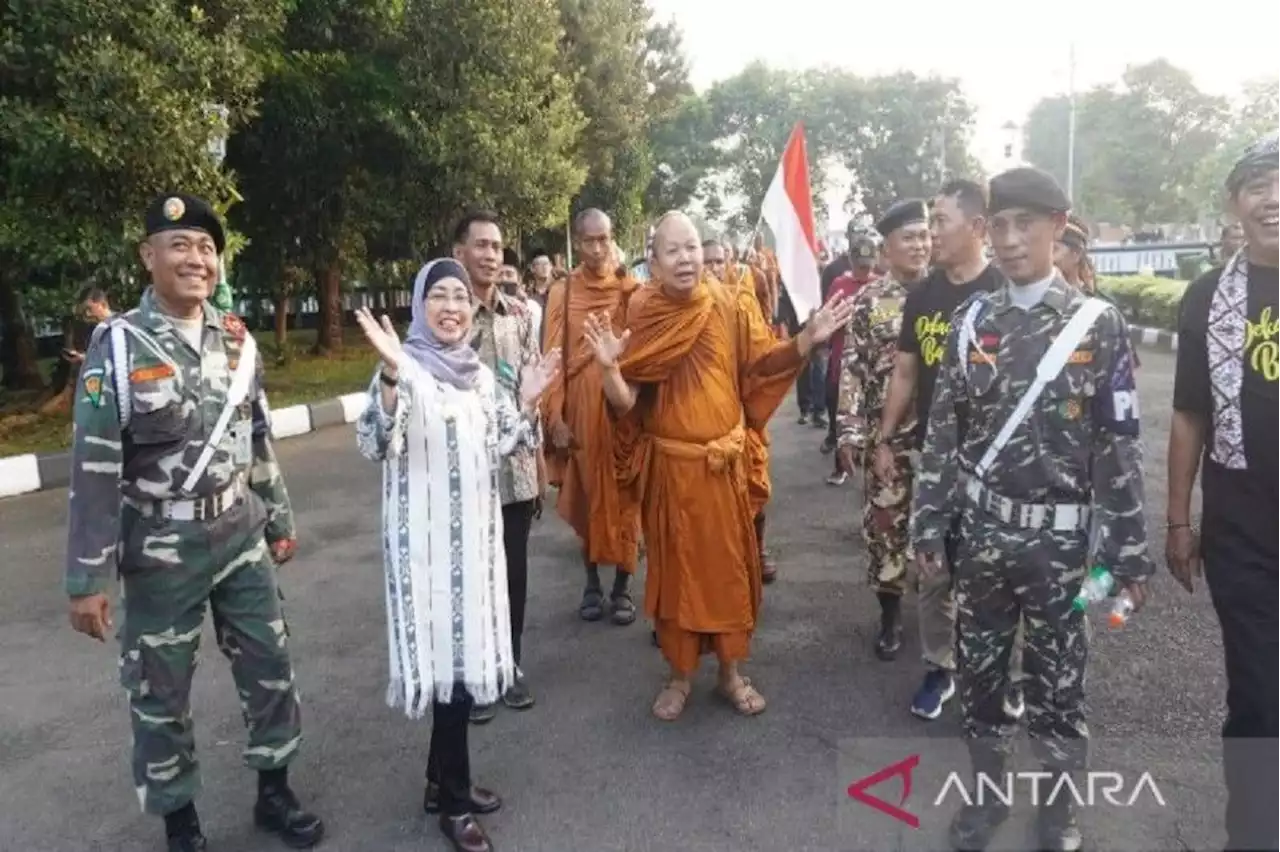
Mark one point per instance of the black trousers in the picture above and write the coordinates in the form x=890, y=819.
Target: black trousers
x=449, y=759
x=804, y=391
x=517, y=520
x=1244, y=590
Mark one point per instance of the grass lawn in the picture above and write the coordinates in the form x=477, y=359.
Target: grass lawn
x=304, y=378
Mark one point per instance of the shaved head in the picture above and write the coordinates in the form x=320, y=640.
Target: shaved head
x=677, y=253
x=714, y=259
x=593, y=238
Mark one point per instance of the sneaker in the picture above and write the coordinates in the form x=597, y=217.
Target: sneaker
x=838, y=479
x=1014, y=705
x=804, y=418
x=819, y=422
x=938, y=688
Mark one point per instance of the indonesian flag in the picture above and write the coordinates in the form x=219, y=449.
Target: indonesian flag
x=788, y=209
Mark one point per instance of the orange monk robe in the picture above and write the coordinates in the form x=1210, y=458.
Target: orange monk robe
x=706, y=371
x=740, y=284
x=589, y=499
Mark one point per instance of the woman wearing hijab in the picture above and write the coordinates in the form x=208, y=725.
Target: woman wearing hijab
x=438, y=420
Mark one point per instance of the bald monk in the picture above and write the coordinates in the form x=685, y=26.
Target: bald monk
x=579, y=455
x=739, y=281
x=686, y=377
x=768, y=291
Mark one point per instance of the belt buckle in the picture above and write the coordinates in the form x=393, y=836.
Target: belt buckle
x=198, y=512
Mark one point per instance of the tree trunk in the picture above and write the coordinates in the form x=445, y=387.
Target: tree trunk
x=329, y=295
x=18, y=355
x=282, y=327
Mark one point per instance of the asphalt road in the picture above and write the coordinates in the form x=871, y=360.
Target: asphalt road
x=587, y=768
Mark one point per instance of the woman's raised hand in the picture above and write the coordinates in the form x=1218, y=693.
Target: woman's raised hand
x=381, y=336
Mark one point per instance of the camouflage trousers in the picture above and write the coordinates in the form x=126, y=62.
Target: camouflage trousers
x=171, y=572
x=886, y=510
x=1003, y=574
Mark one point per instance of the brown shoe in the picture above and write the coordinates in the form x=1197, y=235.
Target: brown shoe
x=465, y=833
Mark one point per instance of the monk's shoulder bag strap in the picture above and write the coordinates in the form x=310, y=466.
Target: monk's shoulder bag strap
x=1046, y=371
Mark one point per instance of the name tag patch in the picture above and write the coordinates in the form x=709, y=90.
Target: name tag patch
x=1081, y=356
x=151, y=374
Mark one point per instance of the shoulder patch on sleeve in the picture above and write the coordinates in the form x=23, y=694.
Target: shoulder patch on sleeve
x=92, y=381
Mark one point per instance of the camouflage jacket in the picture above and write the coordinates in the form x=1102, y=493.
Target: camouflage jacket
x=176, y=395
x=506, y=338
x=870, y=346
x=1079, y=444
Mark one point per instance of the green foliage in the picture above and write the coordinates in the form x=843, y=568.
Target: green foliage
x=1141, y=146
x=1145, y=300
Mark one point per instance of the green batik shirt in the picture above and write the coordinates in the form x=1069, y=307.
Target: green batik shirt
x=507, y=339
x=176, y=395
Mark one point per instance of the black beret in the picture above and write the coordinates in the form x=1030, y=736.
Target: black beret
x=862, y=247
x=1028, y=188
x=180, y=212
x=510, y=258
x=902, y=213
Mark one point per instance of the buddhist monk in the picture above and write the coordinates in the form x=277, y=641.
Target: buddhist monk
x=579, y=452
x=767, y=291
x=738, y=280
x=690, y=372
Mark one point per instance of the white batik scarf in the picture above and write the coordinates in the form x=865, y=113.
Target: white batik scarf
x=1228, y=322
x=448, y=620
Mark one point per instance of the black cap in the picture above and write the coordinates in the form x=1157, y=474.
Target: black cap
x=1028, y=188
x=862, y=248
x=510, y=258
x=180, y=212
x=902, y=213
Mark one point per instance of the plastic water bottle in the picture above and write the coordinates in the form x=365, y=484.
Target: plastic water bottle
x=1121, y=611
x=1096, y=587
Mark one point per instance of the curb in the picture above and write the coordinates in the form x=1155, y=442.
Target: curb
x=26, y=473
x=30, y=472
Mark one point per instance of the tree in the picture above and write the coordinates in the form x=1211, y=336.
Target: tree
x=904, y=137
x=103, y=106
x=605, y=46
x=1140, y=146
x=1254, y=115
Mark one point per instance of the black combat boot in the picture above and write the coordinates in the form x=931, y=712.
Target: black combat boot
x=1056, y=823
x=973, y=826
x=889, y=639
x=182, y=829
x=278, y=811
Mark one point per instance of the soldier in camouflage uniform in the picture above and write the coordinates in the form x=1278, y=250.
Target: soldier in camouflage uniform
x=185, y=527
x=1025, y=505
x=867, y=364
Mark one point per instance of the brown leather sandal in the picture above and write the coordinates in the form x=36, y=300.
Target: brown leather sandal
x=671, y=701
x=743, y=696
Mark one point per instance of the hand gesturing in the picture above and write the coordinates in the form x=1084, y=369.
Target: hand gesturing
x=381, y=336
x=536, y=377
x=607, y=346
x=832, y=316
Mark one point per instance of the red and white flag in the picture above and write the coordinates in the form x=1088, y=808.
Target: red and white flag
x=788, y=209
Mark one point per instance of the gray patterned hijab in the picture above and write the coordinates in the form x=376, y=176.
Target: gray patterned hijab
x=456, y=364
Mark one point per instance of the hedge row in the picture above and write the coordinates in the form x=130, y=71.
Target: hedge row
x=1145, y=300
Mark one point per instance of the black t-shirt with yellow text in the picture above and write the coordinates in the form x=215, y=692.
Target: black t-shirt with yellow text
x=926, y=322
x=1240, y=507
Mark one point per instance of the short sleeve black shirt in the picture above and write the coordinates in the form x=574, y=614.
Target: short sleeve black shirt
x=1240, y=506
x=926, y=322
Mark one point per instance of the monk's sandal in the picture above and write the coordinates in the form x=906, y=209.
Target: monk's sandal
x=624, y=609
x=592, y=606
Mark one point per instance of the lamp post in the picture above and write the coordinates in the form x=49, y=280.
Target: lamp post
x=219, y=115
x=1010, y=131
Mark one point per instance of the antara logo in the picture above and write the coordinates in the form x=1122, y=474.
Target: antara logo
x=1099, y=788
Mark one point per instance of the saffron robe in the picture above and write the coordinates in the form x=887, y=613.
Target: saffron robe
x=589, y=499
x=706, y=371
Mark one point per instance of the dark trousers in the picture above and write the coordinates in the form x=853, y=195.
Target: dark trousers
x=517, y=519
x=1244, y=590
x=449, y=759
x=804, y=390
